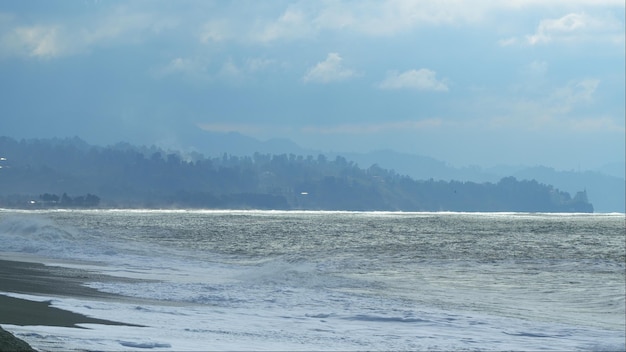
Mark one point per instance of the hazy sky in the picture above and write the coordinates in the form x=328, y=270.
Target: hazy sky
x=469, y=82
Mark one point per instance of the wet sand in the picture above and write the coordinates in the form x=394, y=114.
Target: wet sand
x=50, y=281
x=39, y=279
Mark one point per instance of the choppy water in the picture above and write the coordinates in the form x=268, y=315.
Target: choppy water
x=337, y=281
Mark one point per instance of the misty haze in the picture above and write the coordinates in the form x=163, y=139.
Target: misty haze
x=312, y=175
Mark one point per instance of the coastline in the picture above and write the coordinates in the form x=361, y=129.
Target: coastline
x=31, y=278
x=8, y=342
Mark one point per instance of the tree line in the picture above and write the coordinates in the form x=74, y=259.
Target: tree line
x=123, y=175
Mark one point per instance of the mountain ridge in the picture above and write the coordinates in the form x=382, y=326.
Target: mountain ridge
x=124, y=175
x=605, y=185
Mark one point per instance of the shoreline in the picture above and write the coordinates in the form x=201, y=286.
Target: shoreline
x=8, y=342
x=296, y=210
x=37, y=279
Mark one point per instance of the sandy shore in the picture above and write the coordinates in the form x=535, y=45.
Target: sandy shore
x=38, y=279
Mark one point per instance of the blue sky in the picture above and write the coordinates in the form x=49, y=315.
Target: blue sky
x=469, y=82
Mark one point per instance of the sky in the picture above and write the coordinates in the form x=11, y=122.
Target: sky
x=518, y=82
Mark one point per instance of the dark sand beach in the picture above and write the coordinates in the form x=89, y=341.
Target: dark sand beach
x=38, y=279
x=11, y=343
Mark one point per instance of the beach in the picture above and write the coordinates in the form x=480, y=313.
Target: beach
x=23, y=277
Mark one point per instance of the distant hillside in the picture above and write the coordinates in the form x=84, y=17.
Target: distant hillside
x=606, y=191
x=69, y=172
x=605, y=186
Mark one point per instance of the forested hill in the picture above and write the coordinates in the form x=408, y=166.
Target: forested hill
x=69, y=172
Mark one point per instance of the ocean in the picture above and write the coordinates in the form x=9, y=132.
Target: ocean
x=292, y=280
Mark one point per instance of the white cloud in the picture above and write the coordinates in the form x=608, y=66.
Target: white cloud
x=292, y=24
x=191, y=68
x=422, y=79
x=557, y=110
x=397, y=16
x=329, y=70
x=384, y=18
x=120, y=25
x=548, y=29
x=231, y=73
x=376, y=18
x=574, y=93
x=559, y=3
x=215, y=31
x=79, y=34
x=308, y=19
x=301, y=19
x=33, y=41
x=572, y=27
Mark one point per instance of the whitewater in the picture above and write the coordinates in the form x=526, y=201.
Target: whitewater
x=307, y=280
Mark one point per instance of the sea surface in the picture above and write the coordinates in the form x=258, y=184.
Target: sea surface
x=269, y=280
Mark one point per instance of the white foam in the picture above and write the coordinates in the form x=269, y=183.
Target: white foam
x=205, y=327
x=217, y=302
